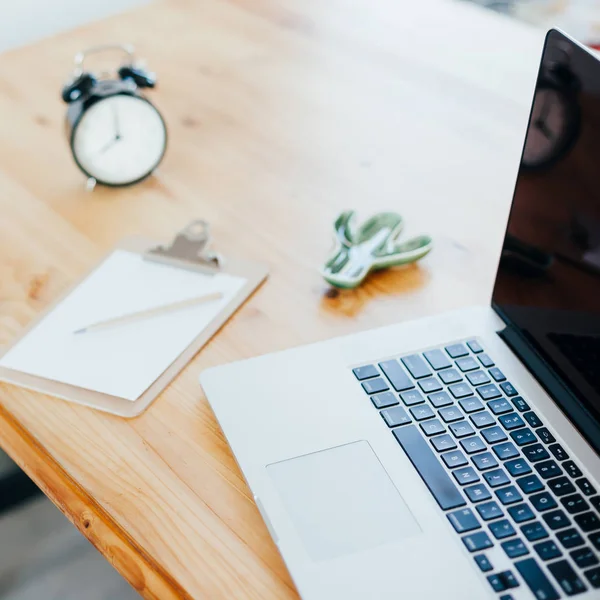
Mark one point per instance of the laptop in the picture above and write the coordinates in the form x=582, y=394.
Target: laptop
x=454, y=457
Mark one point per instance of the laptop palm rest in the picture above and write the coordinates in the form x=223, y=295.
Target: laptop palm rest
x=341, y=500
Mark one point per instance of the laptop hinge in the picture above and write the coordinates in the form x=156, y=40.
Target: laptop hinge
x=577, y=413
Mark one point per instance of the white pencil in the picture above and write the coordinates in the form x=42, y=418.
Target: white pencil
x=151, y=312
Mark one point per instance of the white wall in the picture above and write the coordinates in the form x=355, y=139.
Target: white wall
x=25, y=21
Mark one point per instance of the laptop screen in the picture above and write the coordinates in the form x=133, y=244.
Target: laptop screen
x=548, y=283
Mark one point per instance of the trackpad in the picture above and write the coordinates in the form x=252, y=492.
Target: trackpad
x=342, y=500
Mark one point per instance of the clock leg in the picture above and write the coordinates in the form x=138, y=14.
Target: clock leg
x=90, y=184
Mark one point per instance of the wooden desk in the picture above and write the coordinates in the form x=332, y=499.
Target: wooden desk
x=281, y=114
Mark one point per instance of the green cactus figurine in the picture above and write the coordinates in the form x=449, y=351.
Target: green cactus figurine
x=372, y=246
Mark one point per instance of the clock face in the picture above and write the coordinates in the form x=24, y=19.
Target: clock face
x=119, y=140
x=551, y=129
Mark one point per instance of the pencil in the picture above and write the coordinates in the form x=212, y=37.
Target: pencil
x=151, y=312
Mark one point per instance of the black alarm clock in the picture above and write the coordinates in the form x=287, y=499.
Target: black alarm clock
x=555, y=119
x=117, y=136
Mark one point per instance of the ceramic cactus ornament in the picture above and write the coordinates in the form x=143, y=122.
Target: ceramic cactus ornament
x=372, y=246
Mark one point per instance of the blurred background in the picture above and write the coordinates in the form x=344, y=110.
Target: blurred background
x=42, y=557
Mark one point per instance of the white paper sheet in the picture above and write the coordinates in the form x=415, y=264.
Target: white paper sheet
x=123, y=360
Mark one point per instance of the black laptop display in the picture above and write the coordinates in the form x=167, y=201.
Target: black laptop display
x=548, y=283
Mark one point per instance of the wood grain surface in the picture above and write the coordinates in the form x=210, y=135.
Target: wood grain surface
x=281, y=113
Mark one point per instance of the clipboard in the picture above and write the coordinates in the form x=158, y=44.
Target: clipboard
x=190, y=251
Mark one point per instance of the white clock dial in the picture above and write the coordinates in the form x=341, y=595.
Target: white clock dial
x=119, y=140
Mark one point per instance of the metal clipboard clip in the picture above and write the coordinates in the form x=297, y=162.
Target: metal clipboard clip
x=189, y=250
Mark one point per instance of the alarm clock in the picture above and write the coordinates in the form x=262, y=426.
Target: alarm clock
x=117, y=136
x=555, y=119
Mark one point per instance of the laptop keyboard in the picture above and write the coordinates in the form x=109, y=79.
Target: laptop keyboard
x=494, y=468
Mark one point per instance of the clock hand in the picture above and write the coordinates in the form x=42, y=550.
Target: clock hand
x=116, y=123
x=108, y=146
x=541, y=125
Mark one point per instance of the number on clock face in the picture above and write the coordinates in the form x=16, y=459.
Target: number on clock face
x=119, y=140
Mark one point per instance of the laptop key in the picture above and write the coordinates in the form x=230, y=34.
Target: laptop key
x=595, y=540
x=508, y=495
x=429, y=385
x=502, y=582
x=463, y=520
x=593, y=576
x=535, y=452
x=455, y=458
x=520, y=404
x=461, y=429
x=543, y=501
x=422, y=412
x=466, y=475
x=521, y=513
x=536, y=580
x=517, y=467
x=532, y=419
x=570, y=538
x=456, y=350
x=494, y=435
x=558, y=452
x=496, y=478
x=574, y=504
x=416, y=366
x=489, y=391
x=501, y=529
x=477, y=493
x=547, y=550
x=505, y=450
x=432, y=427
x=412, y=397
x=485, y=360
x=497, y=374
x=511, y=421
x=530, y=484
x=470, y=405
x=522, y=437
x=450, y=376
x=395, y=416
x=584, y=558
x=468, y=363
x=483, y=563
x=596, y=502
x=478, y=377
x=475, y=346
x=460, y=390
x=472, y=445
x=477, y=541
x=482, y=419
x=561, y=486
x=545, y=435
x=396, y=375
x=437, y=359
x=451, y=414
x=534, y=531
x=440, y=399
x=508, y=389
x=586, y=487
x=489, y=511
x=514, y=548
x=374, y=386
x=429, y=468
x=484, y=461
x=588, y=522
x=384, y=400
x=442, y=442
x=365, y=372
x=566, y=577
x=548, y=469
x=500, y=406
x=556, y=520
x=572, y=469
